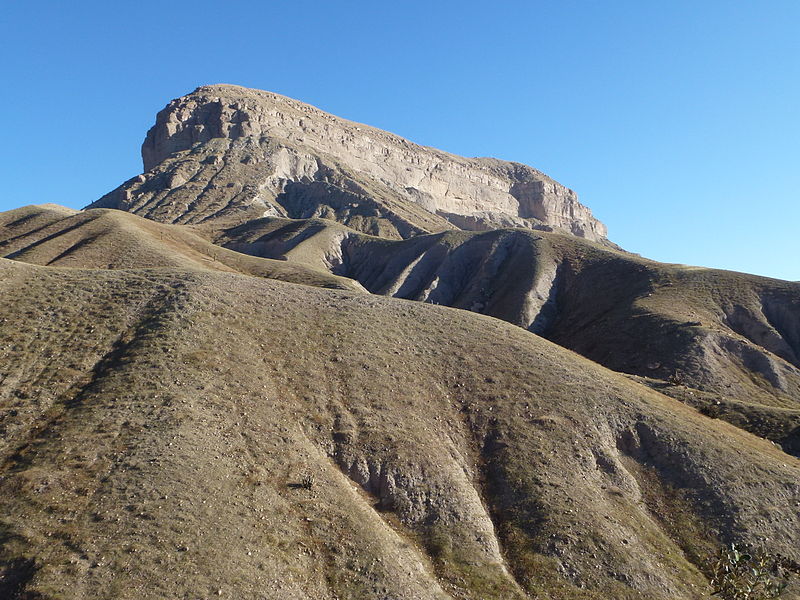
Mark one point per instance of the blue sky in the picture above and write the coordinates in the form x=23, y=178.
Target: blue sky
x=676, y=122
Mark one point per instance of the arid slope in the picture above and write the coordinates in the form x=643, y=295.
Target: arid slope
x=52, y=235
x=173, y=433
x=199, y=398
x=726, y=342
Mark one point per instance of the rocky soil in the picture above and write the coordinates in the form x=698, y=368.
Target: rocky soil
x=51, y=235
x=171, y=434
x=727, y=343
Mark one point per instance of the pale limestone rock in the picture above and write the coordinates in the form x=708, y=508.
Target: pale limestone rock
x=227, y=152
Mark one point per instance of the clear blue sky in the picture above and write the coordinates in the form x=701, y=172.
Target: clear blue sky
x=676, y=122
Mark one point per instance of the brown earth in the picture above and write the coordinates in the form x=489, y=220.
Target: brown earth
x=51, y=235
x=185, y=433
x=727, y=343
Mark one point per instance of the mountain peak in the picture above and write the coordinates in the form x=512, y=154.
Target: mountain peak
x=234, y=153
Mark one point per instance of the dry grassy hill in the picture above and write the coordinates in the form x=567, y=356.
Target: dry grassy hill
x=184, y=433
x=727, y=343
x=52, y=235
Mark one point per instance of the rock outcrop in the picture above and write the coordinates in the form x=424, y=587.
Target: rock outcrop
x=230, y=153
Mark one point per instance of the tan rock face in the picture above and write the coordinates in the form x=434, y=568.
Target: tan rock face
x=231, y=152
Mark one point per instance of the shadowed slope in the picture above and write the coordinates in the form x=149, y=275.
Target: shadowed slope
x=725, y=342
x=311, y=443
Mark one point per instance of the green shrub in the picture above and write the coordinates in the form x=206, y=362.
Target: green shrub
x=740, y=574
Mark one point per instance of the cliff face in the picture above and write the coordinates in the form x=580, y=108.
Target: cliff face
x=227, y=152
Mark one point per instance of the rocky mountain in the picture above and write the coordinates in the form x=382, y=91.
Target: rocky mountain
x=226, y=152
x=405, y=399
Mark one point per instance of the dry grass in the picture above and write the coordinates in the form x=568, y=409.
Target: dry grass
x=155, y=422
x=730, y=336
x=111, y=239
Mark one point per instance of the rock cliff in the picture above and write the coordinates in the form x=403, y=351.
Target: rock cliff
x=234, y=154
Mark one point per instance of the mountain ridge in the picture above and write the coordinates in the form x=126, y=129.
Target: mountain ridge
x=229, y=151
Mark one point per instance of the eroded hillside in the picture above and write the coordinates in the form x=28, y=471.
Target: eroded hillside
x=727, y=343
x=315, y=443
x=315, y=360
x=51, y=235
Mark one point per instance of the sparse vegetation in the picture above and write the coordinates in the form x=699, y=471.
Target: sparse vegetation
x=712, y=410
x=738, y=573
x=173, y=432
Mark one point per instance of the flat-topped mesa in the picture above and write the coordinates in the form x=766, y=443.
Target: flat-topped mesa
x=230, y=153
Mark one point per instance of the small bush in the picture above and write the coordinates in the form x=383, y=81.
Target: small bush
x=712, y=411
x=439, y=543
x=739, y=574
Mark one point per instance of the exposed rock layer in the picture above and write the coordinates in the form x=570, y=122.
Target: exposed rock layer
x=235, y=153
